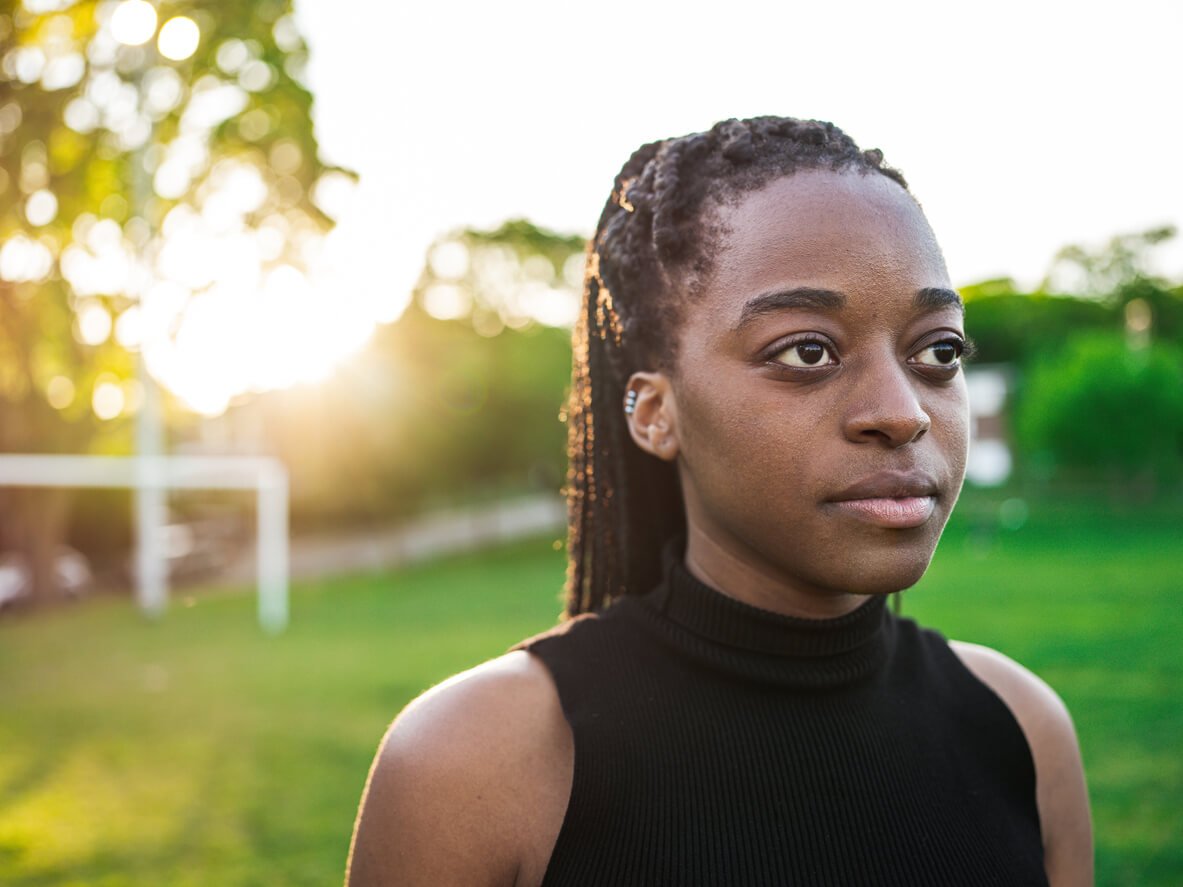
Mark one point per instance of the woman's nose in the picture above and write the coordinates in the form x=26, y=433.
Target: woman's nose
x=885, y=409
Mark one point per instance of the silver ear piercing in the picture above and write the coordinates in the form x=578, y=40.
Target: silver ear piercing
x=630, y=402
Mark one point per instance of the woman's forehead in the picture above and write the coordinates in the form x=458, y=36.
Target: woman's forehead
x=849, y=232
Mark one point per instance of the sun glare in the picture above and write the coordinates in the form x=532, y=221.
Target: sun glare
x=178, y=38
x=134, y=22
x=226, y=320
x=232, y=339
x=220, y=307
x=217, y=269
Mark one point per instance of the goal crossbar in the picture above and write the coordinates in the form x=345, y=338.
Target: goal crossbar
x=266, y=476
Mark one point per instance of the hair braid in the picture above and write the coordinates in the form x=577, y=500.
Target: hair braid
x=651, y=253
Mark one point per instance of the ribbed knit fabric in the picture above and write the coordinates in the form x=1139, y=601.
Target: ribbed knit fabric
x=720, y=744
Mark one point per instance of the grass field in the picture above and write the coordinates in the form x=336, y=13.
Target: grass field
x=197, y=751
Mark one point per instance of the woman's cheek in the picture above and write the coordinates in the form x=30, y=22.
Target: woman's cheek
x=953, y=421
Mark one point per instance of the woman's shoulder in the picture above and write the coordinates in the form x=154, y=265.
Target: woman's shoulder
x=1040, y=712
x=1030, y=699
x=470, y=783
x=1061, y=793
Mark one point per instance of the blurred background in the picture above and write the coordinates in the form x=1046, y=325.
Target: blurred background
x=331, y=254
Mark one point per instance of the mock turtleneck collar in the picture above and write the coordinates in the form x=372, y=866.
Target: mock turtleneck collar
x=736, y=637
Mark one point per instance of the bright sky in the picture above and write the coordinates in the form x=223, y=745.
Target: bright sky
x=1021, y=126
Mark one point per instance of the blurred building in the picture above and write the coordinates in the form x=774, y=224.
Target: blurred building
x=990, y=459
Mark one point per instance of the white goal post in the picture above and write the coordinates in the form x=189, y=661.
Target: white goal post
x=267, y=477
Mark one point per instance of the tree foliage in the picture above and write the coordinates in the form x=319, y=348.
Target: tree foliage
x=458, y=400
x=110, y=154
x=1098, y=378
x=128, y=162
x=1105, y=410
x=1085, y=289
x=1103, y=272
x=1015, y=328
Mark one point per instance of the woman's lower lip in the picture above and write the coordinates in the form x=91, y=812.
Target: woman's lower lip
x=911, y=511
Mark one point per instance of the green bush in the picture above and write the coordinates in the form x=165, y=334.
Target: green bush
x=1098, y=407
x=1012, y=327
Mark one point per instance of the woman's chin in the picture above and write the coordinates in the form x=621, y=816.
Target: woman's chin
x=882, y=579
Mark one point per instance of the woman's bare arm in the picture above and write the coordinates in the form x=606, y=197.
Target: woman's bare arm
x=470, y=784
x=1060, y=786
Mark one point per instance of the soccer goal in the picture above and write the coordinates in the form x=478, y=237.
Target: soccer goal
x=267, y=477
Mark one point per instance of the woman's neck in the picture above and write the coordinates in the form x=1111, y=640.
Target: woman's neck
x=737, y=571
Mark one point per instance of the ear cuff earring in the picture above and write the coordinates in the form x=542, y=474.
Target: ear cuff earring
x=630, y=402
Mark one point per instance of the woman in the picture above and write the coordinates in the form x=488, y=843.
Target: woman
x=768, y=430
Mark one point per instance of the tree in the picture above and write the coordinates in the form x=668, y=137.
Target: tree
x=1016, y=328
x=1125, y=258
x=458, y=400
x=141, y=146
x=1105, y=410
x=1105, y=288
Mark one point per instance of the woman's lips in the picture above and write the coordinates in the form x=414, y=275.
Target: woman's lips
x=895, y=513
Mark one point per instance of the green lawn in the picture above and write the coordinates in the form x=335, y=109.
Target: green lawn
x=198, y=751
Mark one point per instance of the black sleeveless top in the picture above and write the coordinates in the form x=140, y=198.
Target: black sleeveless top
x=717, y=743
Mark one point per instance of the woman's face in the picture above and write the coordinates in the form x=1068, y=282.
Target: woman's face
x=816, y=405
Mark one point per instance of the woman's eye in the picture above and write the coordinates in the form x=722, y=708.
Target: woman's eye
x=945, y=353
x=806, y=354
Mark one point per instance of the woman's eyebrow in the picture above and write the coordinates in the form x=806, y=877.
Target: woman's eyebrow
x=930, y=298
x=799, y=297
x=934, y=298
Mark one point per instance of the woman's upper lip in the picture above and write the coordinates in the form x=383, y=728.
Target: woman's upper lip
x=890, y=484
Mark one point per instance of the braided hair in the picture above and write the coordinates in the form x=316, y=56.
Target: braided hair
x=650, y=256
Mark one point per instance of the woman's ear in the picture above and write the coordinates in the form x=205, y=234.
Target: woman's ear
x=652, y=414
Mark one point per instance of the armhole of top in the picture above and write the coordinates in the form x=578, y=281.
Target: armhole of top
x=536, y=647
x=946, y=647
x=530, y=647
x=989, y=689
